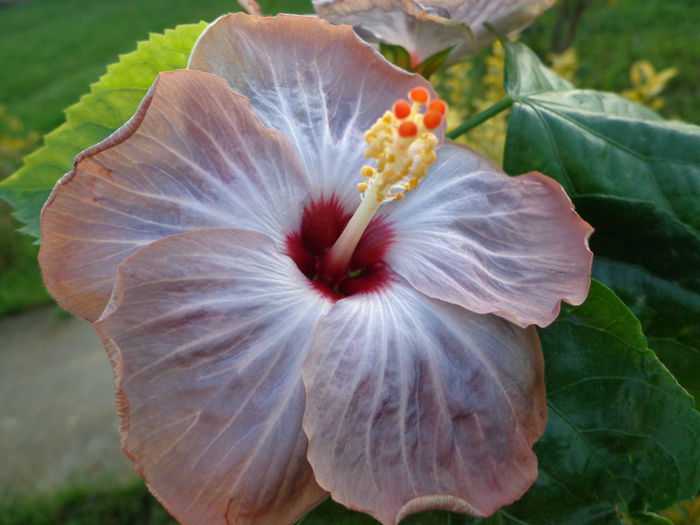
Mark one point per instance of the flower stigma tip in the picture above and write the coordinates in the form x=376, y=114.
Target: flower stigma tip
x=402, y=142
x=403, y=145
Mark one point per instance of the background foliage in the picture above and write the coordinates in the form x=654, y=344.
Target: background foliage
x=636, y=179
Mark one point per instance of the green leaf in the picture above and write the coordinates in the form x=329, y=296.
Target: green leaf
x=649, y=518
x=525, y=74
x=434, y=62
x=397, y=55
x=110, y=103
x=622, y=436
x=636, y=178
x=651, y=260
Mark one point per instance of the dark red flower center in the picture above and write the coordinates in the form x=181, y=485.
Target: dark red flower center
x=321, y=224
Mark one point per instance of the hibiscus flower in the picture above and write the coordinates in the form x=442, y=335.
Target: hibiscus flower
x=425, y=28
x=259, y=367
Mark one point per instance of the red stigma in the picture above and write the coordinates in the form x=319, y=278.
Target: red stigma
x=438, y=106
x=432, y=120
x=408, y=129
x=402, y=109
x=322, y=223
x=419, y=95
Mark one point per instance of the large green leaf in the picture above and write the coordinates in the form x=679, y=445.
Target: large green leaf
x=622, y=436
x=110, y=103
x=636, y=178
x=655, y=272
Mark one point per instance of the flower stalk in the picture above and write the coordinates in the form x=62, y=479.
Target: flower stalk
x=482, y=117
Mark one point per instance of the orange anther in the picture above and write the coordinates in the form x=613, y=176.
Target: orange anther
x=402, y=109
x=408, y=129
x=419, y=95
x=438, y=106
x=432, y=119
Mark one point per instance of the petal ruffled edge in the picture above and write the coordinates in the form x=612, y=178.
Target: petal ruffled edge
x=416, y=404
x=491, y=243
x=319, y=84
x=406, y=23
x=182, y=162
x=425, y=28
x=145, y=287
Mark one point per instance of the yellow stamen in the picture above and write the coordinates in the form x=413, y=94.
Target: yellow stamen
x=402, y=143
x=403, y=148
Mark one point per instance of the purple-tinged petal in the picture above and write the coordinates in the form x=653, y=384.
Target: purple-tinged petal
x=506, y=16
x=207, y=331
x=471, y=235
x=318, y=84
x=415, y=404
x=405, y=23
x=427, y=27
x=193, y=156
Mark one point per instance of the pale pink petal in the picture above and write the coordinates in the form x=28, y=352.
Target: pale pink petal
x=473, y=236
x=318, y=84
x=192, y=157
x=414, y=404
x=405, y=23
x=207, y=331
x=426, y=27
x=506, y=16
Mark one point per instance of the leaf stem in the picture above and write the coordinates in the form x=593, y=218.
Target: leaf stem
x=482, y=117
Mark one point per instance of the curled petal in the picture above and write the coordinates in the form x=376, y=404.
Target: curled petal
x=318, y=84
x=473, y=236
x=428, y=27
x=193, y=156
x=506, y=16
x=405, y=23
x=415, y=404
x=207, y=331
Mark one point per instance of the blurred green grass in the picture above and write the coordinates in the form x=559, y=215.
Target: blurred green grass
x=132, y=505
x=52, y=50
x=614, y=34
